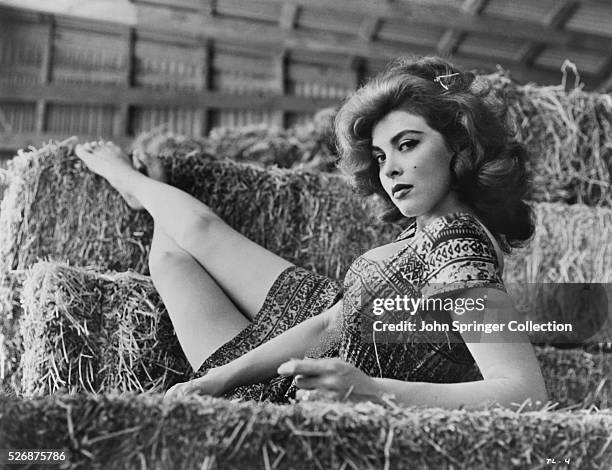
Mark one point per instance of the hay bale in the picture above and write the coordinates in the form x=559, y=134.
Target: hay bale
x=94, y=332
x=564, y=274
x=57, y=210
x=307, y=146
x=86, y=331
x=569, y=135
x=134, y=432
x=576, y=378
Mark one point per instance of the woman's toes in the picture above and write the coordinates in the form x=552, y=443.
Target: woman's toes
x=82, y=150
x=150, y=165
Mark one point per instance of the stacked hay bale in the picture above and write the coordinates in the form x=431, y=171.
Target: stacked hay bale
x=308, y=146
x=92, y=329
x=54, y=209
x=89, y=332
x=203, y=432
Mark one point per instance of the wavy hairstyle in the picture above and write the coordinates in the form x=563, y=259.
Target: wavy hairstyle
x=490, y=176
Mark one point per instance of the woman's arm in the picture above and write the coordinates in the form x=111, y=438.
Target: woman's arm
x=506, y=360
x=508, y=381
x=262, y=363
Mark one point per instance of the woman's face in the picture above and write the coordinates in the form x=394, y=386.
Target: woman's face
x=414, y=166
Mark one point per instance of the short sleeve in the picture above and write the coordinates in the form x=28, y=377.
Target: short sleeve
x=461, y=257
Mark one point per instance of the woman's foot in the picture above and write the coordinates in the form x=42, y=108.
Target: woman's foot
x=149, y=165
x=109, y=161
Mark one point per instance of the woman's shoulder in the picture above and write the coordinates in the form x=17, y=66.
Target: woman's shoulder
x=454, y=225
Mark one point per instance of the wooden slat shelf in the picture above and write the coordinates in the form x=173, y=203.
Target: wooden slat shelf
x=85, y=94
x=200, y=63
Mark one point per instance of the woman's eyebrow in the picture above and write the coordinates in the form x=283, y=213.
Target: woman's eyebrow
x=398, y=136
x=401, y=134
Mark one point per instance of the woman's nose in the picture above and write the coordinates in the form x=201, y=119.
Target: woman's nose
x=393, y=167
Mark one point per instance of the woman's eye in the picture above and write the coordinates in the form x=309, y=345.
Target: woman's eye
x=407, y=144
x=379, y=157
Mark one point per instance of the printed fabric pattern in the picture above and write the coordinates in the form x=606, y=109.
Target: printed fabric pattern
x=450, y=254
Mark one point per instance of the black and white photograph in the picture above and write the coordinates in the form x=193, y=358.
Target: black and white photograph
x=306, y=234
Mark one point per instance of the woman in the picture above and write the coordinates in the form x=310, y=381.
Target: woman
x=433, y=143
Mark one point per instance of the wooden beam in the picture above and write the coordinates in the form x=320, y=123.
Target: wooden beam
x=555, y=19
x=122, y=113
x=46, y=68
x=561, y=13
x=446, y=15
x=288, y=15
x=275, y=39
x=368, y=29
x=529, y=53
x=209, y=7
x=182, y=4
x=474, y=7
x=280, y=76
x=85, y=94
x=448, y=42
x=206, y=71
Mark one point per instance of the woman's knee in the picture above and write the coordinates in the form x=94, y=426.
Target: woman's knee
x=162, y=258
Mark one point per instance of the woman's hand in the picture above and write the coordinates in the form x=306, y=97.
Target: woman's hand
x=213, y=384
x=330, y=379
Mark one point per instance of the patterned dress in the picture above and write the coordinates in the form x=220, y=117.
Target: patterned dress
x=451, y=253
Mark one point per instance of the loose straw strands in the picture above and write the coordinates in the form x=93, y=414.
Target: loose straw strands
x=202, y=432
x=86, y=331
x=55, y=209
x=94, y=332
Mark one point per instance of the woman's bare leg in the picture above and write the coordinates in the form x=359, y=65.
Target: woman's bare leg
x=203, y=317
x=243, y=270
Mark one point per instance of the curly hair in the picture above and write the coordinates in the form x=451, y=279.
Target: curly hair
x=489, y=166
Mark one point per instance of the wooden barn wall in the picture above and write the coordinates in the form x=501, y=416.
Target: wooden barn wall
x=61, y=76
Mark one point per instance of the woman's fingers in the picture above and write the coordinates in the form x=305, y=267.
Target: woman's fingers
x=309, y=366
x=328, y=382
x=177, y=391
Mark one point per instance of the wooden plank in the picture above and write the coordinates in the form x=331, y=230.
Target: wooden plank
x=178, y=4
x=445, y=14
x=208, y=7
x=206, y=72
x=561, y=12
x=46, y=68
x=288, y=16
x=448, y=42
x=279, y=117
x=321, y=73
x=261, y=12
x=122, y=111
x=165, y=19
x=368, y=29
x=272, y=37
x=83, y=94
x=474, y=7
x=529, y=53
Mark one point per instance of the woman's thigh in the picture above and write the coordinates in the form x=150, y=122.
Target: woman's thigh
x=243, y=269
x=204, y=318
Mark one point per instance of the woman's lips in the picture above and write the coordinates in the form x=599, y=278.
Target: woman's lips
x=402, y=193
